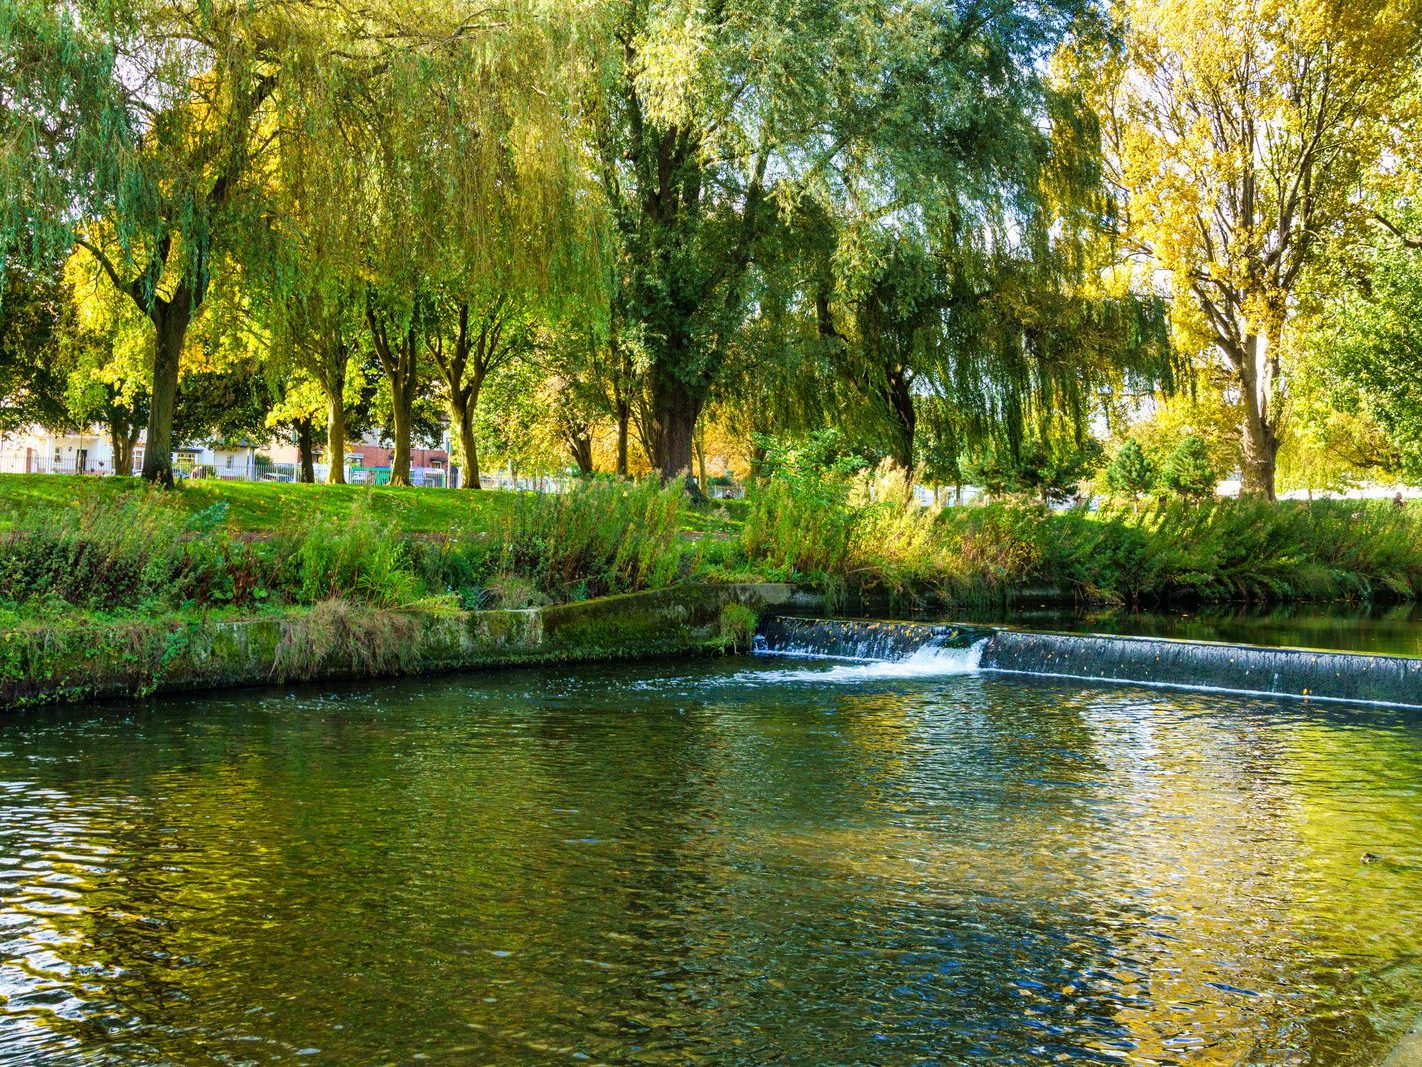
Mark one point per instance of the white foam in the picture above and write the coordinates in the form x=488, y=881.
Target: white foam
x=927, y=662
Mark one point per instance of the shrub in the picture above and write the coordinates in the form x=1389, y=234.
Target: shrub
x=1130, y=473
x=140, y=550
x=800, y=523
x=602, y=536
x=361, y=560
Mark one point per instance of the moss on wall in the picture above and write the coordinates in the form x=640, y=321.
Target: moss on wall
x=337, y=639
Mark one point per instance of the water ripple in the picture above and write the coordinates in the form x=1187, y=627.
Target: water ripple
x=710, y=862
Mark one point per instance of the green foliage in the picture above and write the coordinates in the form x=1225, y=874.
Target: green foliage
x=1049, y=471
x=33, y=310
x=363, y=559
x=1171, y=550
x=602, y=536
x=142, y=552
x=800, y=524
x=738, y=623
x=1130, y=473
x=1367, y=352
x=1188, y=471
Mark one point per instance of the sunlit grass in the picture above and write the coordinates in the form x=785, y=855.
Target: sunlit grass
x=258, y=507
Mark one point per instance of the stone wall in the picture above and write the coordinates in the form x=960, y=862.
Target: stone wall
x=341, y=640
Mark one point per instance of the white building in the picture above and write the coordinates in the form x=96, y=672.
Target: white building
x=41, y=451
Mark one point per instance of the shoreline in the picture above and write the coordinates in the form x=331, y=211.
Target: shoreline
x=342, y=641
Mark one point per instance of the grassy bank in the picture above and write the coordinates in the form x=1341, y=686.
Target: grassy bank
x=258, y=507
x=861, y=535
x=78, y=550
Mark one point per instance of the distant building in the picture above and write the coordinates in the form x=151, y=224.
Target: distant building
x=41, y=451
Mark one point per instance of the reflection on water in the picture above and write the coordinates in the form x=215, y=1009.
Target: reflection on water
x=1395, y=629
x=637, y=865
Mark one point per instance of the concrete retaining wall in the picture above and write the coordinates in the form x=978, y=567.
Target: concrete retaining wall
x=340, y=640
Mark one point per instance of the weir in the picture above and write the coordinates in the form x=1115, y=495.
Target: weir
x=1255, y=669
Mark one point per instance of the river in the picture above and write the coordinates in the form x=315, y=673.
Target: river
x=736, y=861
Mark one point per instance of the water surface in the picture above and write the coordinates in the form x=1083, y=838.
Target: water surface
x=733, y=862
x=1394, y=629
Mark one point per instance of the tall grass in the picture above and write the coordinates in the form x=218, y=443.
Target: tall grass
x=360, y=559
x=139, y=550
x=600, y=537
x=872, y=537
x=802, y=526
x=144, y=554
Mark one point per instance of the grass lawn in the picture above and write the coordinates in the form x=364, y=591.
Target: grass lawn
x=264, y=506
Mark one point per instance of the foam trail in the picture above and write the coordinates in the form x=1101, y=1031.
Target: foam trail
x=930, y=661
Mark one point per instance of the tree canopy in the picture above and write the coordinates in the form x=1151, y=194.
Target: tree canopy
x=966, y=233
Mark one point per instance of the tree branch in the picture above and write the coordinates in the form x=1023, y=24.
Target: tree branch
x=1408, y=240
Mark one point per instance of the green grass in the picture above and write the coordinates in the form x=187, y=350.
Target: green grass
x=261, y=507
x=112, y=545
x=116, y=548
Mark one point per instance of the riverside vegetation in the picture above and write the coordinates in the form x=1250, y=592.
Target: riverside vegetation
x=95, y=553
x=134, y=575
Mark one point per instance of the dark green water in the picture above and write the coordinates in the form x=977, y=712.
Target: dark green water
x=1391, y=628
x=710, y=862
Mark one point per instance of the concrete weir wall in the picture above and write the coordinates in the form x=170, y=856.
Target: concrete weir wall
x=339, y=640
x=1292, y=672
x=1140, y=660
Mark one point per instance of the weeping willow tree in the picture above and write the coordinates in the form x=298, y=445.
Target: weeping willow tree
x=900, y=126
x=475, y=214
x=131, y=131
x=996, y=298
x=380, y=148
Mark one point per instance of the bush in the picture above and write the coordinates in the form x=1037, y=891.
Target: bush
x=140, y=551
x=1130, y=473
x=361, y=560
x=1223, y=549
x=800, y=524
x=602, y=536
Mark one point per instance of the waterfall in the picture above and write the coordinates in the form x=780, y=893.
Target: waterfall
x=881, y=649
x=858, y=639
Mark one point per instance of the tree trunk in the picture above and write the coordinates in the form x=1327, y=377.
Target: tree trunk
x=460, y=415
x=131, y=443
x=580, y=448
x=624, y=416
x=123, y=435
x=758, y=457
x=401, y=405
x=170, y=322
x=899, y=394
x=698, y=442
x=305, y=451
x=335, y=437
x=674, y=414
x=1260, y=436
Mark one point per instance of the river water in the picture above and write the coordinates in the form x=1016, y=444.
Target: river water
x=1395, y=629
x=743, y=861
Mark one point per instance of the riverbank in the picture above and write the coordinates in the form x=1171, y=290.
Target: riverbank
x=106, y=588
x=339, y=640
x=108, y=545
